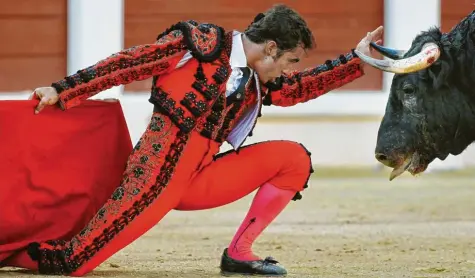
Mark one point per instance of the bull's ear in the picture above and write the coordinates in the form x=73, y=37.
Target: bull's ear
x=439, y=73
x=435, y=69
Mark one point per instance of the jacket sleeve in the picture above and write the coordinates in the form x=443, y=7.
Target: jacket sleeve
x=133, y=64
x=302, y=86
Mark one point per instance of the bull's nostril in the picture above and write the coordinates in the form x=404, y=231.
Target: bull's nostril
x=385, y=159
x=381, y=157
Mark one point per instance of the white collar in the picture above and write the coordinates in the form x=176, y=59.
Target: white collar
x=238, y=56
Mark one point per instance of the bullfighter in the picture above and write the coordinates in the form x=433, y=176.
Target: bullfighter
x=208, y=87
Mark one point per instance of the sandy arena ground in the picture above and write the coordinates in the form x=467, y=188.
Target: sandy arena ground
x=343, y=227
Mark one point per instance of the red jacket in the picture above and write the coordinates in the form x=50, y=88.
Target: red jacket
x=193, y=96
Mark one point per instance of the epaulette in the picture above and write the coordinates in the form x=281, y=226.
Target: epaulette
x=204, y=40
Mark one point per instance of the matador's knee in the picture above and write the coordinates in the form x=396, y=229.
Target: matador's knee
x=296, y=166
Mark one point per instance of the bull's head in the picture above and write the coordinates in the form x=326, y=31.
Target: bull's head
x=430, y=112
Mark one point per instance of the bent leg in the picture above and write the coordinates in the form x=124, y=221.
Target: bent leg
x=152, y=184
x=233, y=175
x=280, y=168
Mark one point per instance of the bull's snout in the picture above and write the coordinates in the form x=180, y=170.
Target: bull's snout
x=387, y=155
x=395, y=139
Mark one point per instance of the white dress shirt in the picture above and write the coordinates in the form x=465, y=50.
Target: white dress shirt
x=237, y=60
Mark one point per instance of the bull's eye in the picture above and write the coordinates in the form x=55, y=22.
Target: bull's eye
x=409, y=89
x=409, y=100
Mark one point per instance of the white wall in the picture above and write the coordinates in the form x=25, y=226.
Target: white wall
x=332, y=143
x=95, y=31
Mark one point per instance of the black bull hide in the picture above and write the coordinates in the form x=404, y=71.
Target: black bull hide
x=431, y=113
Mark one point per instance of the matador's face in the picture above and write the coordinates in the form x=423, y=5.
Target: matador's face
x=277, y=62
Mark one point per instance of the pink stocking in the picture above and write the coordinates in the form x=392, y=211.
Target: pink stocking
x=267, y=204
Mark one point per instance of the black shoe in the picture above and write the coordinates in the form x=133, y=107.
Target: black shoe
x=267, y=267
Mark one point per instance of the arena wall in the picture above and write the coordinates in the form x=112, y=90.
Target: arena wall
x=44, y=42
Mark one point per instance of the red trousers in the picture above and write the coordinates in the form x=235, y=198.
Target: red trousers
x=171, y=170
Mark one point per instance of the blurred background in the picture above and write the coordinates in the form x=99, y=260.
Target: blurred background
x=42, y=41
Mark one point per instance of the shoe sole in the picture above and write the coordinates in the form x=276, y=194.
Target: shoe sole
x=230, y=274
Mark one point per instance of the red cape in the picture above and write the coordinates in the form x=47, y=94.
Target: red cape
x=57, y=168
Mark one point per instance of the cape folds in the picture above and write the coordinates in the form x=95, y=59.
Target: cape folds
x=57, y=169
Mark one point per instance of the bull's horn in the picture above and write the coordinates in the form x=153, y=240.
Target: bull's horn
x=429, y=54
x=389, y=52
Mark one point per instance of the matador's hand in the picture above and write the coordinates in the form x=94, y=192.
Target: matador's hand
x=46, y=95
x=374, y=36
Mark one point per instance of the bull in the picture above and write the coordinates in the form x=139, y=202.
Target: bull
x=430, y=112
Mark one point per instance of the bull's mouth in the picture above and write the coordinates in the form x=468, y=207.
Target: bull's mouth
x=412, y=163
